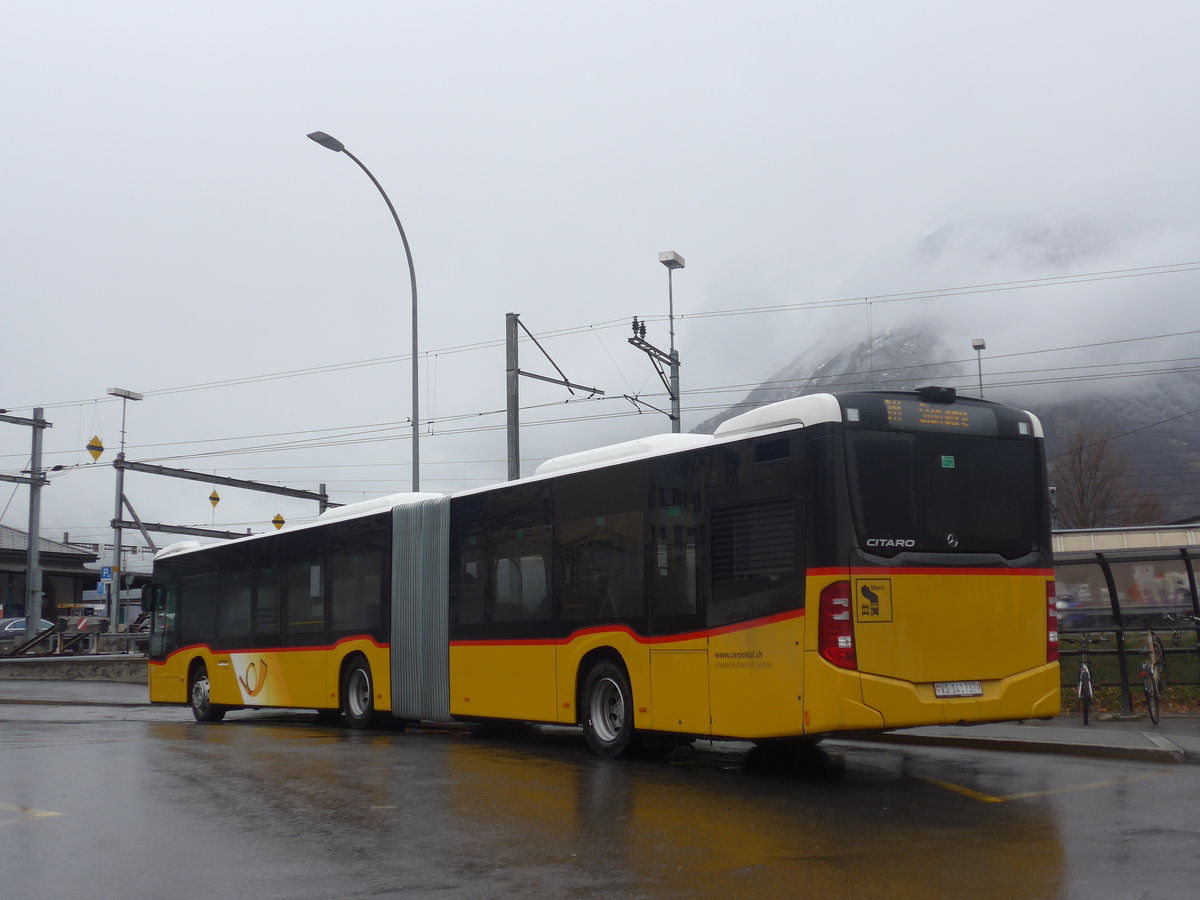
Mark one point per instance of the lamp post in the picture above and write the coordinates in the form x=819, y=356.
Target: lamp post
x=980, y=345
x=672, y=261
x=332, y=143
x=114, y=608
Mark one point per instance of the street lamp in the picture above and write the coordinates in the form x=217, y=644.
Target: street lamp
x=672, y=261
x=114, y=608
x=330, y=142
x=980, y=345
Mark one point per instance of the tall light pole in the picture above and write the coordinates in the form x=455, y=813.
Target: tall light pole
x=114, y=608
x=673, y=261
x=980, y=345
x=332, y=143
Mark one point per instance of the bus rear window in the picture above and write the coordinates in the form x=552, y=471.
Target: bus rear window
x=943, y=493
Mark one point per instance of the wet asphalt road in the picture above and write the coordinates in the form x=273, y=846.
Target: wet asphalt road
x=109, y=801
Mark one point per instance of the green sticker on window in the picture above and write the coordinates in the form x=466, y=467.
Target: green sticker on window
x=947, y=462
x=674, y=511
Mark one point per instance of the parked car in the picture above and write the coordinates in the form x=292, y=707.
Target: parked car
x=12, y=631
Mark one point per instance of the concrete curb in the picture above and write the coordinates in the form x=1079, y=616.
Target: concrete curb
x=14, y=701
x=122, y=668
x=1162, y=750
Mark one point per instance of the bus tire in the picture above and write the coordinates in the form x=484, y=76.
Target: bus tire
x=608, y=709
x=358, y=693
x=200, y=697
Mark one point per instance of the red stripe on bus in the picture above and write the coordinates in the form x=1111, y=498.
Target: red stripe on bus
x=322, y=648
x=841, y=571
x=639, y=638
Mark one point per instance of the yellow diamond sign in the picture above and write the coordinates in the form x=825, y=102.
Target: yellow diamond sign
x=277, y=521
x=95, y=447
x=214, y=498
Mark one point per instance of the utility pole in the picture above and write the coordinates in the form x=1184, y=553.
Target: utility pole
x=114, y=586
x=512, y=383
x=36, y=479
x=659, y=358
x=512, y=374
x=673, y=261
x=33, y=563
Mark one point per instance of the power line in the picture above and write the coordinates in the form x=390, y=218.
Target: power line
x=345, y=432
x=897, y=297
x=380, y=433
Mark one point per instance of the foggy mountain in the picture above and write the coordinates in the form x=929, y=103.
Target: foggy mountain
x=1160, y=446
x=896, y=360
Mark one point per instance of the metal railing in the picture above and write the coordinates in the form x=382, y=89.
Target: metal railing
x=1122, y=593
x=61, y=639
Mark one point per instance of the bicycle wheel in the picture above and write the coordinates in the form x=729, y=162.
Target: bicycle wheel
x=1151, y=690
x=1161, y=663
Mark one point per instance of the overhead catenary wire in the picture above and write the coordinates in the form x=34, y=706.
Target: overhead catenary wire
x=622, y=322
x=382, y=432
x=350, y=431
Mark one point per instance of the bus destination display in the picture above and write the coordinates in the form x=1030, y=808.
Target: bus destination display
x=917, y=415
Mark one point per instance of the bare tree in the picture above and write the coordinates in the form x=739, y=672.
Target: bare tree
x=1093, y=484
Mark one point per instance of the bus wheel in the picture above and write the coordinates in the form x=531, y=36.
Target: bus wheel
x=608, y=709
x=200, y=700
x=358, y=693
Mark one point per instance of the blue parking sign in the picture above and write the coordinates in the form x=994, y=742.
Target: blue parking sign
x=106, y=573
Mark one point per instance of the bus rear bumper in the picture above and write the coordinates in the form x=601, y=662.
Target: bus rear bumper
x=1034, y=694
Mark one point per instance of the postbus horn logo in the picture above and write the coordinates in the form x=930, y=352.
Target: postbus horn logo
x=252, y=681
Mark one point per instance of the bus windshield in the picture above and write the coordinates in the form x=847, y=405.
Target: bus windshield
x=939, y=492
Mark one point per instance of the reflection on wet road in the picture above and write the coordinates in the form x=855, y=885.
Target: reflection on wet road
x=146, y=803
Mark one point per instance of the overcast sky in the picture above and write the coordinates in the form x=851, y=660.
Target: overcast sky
x=167, y=228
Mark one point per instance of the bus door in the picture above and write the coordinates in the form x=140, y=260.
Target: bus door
x=669, y=550
x=299, y=676
x=756, y=609
x=679, y=697
x=165, y=686
x=502, y=648
x=502, y=658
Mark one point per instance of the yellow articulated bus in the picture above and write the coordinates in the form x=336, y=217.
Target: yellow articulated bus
x=829, y=563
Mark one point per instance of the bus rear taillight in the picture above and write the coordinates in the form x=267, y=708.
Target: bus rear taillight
x=835, y=626
x=1051, y=623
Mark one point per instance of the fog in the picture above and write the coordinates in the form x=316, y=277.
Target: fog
x=168, y=229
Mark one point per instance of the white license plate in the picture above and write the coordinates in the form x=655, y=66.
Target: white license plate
x=957, y=689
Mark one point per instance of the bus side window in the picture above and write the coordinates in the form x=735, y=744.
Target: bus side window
x=521, y=594
x=471, y=583
x=198, y=608
x=603, y=567
x=233, y=624
x=267, y=613
x=468, y=572
x=675, y=589
x=305, y=600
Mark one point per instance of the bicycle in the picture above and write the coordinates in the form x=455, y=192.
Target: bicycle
x=1086, y=692
x=1154, y=672
x=1180, y=623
